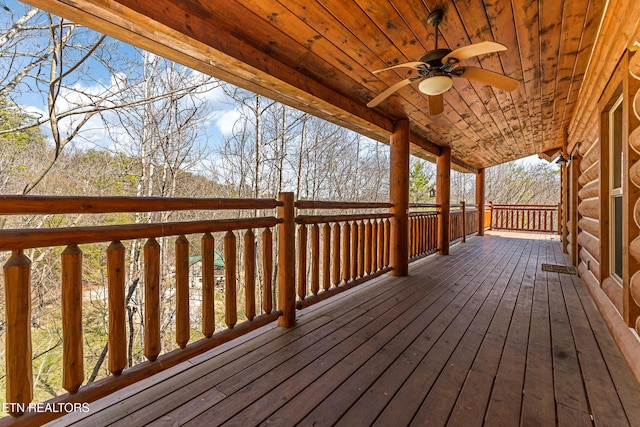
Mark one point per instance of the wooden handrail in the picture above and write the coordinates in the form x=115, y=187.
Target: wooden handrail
x=32, y=205
x=423, y=205
x=27, y=239
x=345, y=249
x=518, y=206
x=18, y=283
x=324, y=204
x=321, y=219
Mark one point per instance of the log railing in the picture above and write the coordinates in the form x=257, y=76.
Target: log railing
x=338, y=251
x=423, y=230
x=463, y=221
x=471, y=218
x=423, y=226
x=326, y=248
x=203, y=234
x=535, y=218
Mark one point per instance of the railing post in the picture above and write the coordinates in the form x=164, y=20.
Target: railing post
x=286, y=261
x=464, y=223
x=491, y=215
x=560, y=218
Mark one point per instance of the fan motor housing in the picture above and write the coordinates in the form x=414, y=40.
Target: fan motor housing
x=434, y=57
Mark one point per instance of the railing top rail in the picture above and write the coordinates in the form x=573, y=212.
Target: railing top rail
x=320, y=219
x=430, y=213
x=28, y=205
x=423, y=205
x=323, y=204
x=47, y=237
x=518, y=206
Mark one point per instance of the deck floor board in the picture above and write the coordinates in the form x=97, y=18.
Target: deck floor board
x=480, y=337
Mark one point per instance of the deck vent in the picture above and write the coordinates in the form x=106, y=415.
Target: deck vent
x=566, y=269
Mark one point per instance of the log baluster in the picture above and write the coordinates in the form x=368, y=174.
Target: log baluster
x=368, y=235
x=302, y=262
x=361, y=246
x=387, y=240
x=354, y=249
x=117, y=343
x=346, y=252
x=335, y=261
x=183, y=321
x=545, y=220
x=420, y=232
x=381, y=244
x=72, y=346
x=326, y=257
x=412, y=236
x=151, y=299
x=374, y=245
x=423, y=234
x=464, y=222
x=267, y=271
x=315, y=259
x=208, y=285
x=250, y=274
x=230, y=261
x=17, y=289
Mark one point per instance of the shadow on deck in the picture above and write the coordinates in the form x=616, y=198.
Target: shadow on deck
x=482, y=336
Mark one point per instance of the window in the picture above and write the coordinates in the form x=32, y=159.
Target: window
x=615, y=188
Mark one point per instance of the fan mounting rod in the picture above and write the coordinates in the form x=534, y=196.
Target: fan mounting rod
x=434, y=19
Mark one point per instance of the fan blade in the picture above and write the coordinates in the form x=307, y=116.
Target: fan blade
x=489, y=77
x=414, y=65
x=378, y=99
x=436, y=105
x=472, y=50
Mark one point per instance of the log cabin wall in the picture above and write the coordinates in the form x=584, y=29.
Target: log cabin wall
x=631, y=202
x=589, y=182
x=589, y=209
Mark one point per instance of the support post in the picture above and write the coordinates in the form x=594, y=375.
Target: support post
x=443, y=198
x=399, y=197
x=480, y=200
x=491, y=215
x=286, y=261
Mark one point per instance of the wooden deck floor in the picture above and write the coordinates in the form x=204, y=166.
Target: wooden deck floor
x=481, y=337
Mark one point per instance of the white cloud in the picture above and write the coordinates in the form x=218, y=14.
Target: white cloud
x=226, y=120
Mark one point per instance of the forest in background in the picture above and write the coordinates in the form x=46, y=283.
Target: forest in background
x=81, y=114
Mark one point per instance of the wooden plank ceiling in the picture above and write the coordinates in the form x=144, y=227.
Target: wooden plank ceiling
x=319, y=56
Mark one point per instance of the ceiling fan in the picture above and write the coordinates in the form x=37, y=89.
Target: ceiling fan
x=437, y=67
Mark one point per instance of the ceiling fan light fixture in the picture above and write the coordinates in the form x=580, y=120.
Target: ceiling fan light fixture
x=435, y=85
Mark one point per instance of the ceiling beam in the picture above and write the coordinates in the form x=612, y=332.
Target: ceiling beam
x=549, y=155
